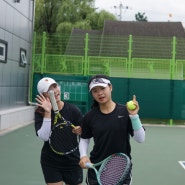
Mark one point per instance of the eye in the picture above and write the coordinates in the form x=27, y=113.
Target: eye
x=94, y=90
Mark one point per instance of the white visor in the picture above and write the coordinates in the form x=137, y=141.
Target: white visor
x=98, y=82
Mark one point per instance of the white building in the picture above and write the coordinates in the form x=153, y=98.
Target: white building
x=16, y=35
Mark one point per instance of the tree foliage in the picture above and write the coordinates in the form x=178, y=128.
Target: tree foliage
x=62, y=16
x=140, y=17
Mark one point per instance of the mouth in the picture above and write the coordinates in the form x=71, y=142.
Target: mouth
x=101, y=98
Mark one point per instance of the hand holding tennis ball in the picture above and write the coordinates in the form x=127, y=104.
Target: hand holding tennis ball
x=131, y=105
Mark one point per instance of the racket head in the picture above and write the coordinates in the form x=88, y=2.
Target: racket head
x=114, y=169
x=62, y=141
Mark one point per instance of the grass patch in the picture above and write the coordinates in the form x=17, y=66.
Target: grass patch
x=163, y=122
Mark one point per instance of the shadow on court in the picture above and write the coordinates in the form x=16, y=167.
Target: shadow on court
x=154, y=162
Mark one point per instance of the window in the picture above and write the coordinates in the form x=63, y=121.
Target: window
x=3, y=51
x=23, y=59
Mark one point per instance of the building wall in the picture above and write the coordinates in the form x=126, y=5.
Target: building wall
x=16, y=29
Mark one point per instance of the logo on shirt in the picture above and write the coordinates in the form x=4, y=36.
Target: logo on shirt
x=120, y=116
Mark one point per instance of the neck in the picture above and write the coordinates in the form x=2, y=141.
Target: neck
x=107, y=107
x=60, y=105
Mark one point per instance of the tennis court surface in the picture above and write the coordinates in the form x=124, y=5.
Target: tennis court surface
x=154, y=162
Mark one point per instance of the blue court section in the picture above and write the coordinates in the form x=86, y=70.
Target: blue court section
x=154, y=162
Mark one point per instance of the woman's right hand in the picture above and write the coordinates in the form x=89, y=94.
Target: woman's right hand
x=83, y=161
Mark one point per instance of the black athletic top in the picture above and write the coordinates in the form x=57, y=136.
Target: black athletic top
x=48, y=157
x=111, y=132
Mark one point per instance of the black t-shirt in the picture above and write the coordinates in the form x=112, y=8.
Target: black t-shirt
x=111, y=132
x=48, y=157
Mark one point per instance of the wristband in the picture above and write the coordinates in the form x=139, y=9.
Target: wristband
x=136, y=122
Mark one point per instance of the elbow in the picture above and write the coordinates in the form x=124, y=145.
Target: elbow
x=141, y=140
x=139, y=136
x=42, y=136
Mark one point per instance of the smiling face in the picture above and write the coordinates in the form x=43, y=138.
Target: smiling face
x=102, y=94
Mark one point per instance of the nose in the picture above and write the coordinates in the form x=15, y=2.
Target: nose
x=100, y=91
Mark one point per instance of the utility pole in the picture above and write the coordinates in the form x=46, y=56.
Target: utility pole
x=121, y=7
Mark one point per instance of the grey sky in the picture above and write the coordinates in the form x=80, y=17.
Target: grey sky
x=163, y=10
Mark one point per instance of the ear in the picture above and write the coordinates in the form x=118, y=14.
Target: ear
x=111, y=88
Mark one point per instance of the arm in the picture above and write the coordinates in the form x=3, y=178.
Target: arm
x=45, y=129
x=139, y=132
x=83, y=147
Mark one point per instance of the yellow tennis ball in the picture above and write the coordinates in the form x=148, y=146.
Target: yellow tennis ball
x=131, y=105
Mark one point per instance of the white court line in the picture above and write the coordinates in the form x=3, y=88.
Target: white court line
x=182, y=163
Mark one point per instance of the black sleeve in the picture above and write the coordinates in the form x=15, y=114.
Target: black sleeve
x=38, y=121
x=86, y=128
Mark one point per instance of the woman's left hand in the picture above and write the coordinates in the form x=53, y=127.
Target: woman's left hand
x=77, y=130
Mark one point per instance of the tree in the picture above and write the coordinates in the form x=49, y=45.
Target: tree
x=73, y=13
x=140, y=17
x=63, y=15
x=45, y=15
x=104, y=15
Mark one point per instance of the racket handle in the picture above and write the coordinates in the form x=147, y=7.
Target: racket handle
x=73, y=126
x=88, y=165
x=53, y=101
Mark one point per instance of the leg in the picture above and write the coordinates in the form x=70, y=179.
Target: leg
x=57, y=183
x=74, y=177
x=52, y=175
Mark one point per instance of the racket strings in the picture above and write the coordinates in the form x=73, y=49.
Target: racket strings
x=62, y=140
x=113, y=171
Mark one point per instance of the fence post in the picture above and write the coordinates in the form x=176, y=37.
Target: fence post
x=172, y=65
x=86, y=54
x=32, y=68
x=43, y=52
x=130, y=40
x=172, y=73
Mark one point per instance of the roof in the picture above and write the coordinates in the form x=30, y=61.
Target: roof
x=151, y=39
x=160, y=29
x=76, y=44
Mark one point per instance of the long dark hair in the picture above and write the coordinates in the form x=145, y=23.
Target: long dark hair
x=95, y=103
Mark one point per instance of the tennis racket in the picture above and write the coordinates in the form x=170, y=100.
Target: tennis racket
x=113, y=170
x=62, y=141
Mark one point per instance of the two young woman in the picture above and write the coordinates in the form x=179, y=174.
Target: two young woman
x=110, y=124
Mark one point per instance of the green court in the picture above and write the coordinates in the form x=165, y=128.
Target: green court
x=154, y=162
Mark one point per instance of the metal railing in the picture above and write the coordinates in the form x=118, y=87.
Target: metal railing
x=116, y=56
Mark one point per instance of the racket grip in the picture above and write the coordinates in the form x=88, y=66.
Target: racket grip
x=73, y=126
x=53, y=101
x=88, y=165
